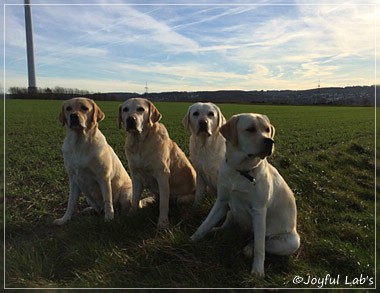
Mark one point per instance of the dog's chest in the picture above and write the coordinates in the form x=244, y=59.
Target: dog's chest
x=207, y=159
x=243, y=195
x=138, y=162
x=242, y=201
x=142, y=168
x=237, y=185
x=202, y=155
x=77, y=162
x=83, y=177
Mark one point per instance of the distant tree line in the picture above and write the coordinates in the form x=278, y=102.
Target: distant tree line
x=61, y=93
x=22, y=92
x=352, y=96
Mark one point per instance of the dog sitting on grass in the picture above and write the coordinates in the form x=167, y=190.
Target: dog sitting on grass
x=207, y=145
x=155, y=160
x=254, y=192
x=92, y=165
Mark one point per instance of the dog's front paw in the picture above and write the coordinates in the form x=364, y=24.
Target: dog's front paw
x=60, y=221
x=194, y=237
x=258, y=270
x=163, y=223
x=109, y=216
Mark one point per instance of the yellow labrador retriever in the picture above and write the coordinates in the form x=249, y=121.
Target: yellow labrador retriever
x=252, y=189
x=155, y=161
x=207, y=145
x=92, y=165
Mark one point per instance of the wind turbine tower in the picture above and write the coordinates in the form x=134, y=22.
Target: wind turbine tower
x=32, y=89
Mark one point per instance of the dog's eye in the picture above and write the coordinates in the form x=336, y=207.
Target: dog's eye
x=251, y=129
x=140, y=109
x=69, y=108
x=196, y=114
x=267, y=130
x=126, y=109
x=211, y=114
x=84, y=108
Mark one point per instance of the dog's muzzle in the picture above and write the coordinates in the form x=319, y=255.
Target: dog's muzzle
x=130, y=123
x=203, y=127
x=74, y=121
x=267, y=149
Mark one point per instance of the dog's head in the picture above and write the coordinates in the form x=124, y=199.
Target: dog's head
x=251, y=133
x=138, y=114
x=203, y=119
x=80, y=114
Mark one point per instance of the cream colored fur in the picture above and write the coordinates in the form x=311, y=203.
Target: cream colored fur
x=92, y=165
x=155, y=161
x=207, y=145
x=265, y=207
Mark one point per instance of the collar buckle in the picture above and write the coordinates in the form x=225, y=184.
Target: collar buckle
x=249, y=177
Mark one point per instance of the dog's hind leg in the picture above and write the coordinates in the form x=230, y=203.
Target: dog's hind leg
x=146, y=201
x=282, y=244
x=125, y=201
x=93, y=209
x=185, y=199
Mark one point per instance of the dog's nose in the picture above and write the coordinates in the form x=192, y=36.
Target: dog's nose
x=131, y=123
x=75, y=121
x=268, y=145
x=74, y=118
x=203, y=122
x=131, y=119
x=203, y=126
x=268, y=141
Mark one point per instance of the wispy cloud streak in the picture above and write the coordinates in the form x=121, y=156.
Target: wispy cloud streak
x=190, y=46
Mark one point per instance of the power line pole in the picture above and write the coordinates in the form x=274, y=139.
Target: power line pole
x=32, y=89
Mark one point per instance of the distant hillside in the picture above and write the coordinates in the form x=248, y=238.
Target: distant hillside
x=355, y=96
x=350, y=96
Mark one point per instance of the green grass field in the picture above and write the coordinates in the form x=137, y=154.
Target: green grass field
x=326, y=154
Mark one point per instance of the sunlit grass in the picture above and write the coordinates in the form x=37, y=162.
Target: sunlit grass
x=326, y=154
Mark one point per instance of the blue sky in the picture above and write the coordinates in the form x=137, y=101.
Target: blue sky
x=196, y=45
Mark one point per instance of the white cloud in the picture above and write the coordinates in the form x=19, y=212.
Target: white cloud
x=195, y=47
x=152, y=30
x=15, y=30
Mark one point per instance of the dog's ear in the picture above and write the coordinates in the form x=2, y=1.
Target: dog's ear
x=221, y=119
x=120, y=116
x=186, y=119
x=62, y=116
x=97, y=114
x=154, y=114
x=272, y=131
x=229, y=130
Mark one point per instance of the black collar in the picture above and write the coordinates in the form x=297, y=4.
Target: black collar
x=249, y=177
